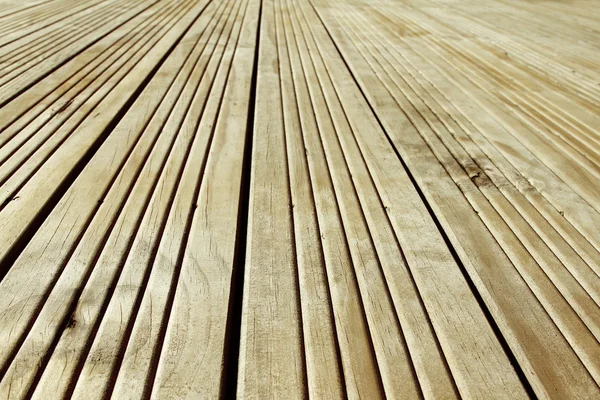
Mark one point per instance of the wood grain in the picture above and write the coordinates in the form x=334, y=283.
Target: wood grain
x=299, y=199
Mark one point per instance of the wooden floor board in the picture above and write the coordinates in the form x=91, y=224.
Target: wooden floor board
x=324, y=375
x=68, y=97
x=119, y=248
x=26, y=158
x=299, y=198
x=271, y=347
x=49, y=20
x=561, y=276
x=388, y=253
x=420, y=152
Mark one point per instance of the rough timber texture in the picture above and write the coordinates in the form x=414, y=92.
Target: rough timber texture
x=299, y=198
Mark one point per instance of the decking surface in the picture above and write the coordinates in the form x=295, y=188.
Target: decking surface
x=299, y=198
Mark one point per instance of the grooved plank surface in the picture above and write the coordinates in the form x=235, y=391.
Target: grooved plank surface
x=299, y=199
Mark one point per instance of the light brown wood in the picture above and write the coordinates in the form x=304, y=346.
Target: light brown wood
x=299, y=199
x=271, y=351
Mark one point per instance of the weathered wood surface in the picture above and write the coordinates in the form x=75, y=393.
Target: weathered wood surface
x=299, y=198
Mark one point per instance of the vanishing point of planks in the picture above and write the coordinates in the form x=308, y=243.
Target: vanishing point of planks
x=299, y=198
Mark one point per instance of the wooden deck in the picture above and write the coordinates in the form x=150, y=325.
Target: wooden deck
x=299, y=198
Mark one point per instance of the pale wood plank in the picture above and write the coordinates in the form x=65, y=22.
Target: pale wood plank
x=271, y=362
x=150, y=335
x=393, y=362
x=438, y=192
x=27, y=159
x=70, y=352
x=18, y=214
x=470, y=179
x=191, y=363
x=40, y=68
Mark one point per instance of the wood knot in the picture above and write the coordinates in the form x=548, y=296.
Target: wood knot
x=71, y=322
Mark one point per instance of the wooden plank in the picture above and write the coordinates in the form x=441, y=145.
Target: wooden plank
x=42, y=95
x=390, y=359
x=415, y=153
x=528, y=264
x=434, y=378
x=57, y=307
x=68, y=96
x=501, y=378
x=290, y=199
x=10, y=9
x=324, y=373
x=271, y=361
x=41, y=68
x=157, y=300
x=18, y=214
x=17, y=27
x=17, y=52
x=192, y=358
x=71, y=351
x=26, y=159
x=538, y=184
